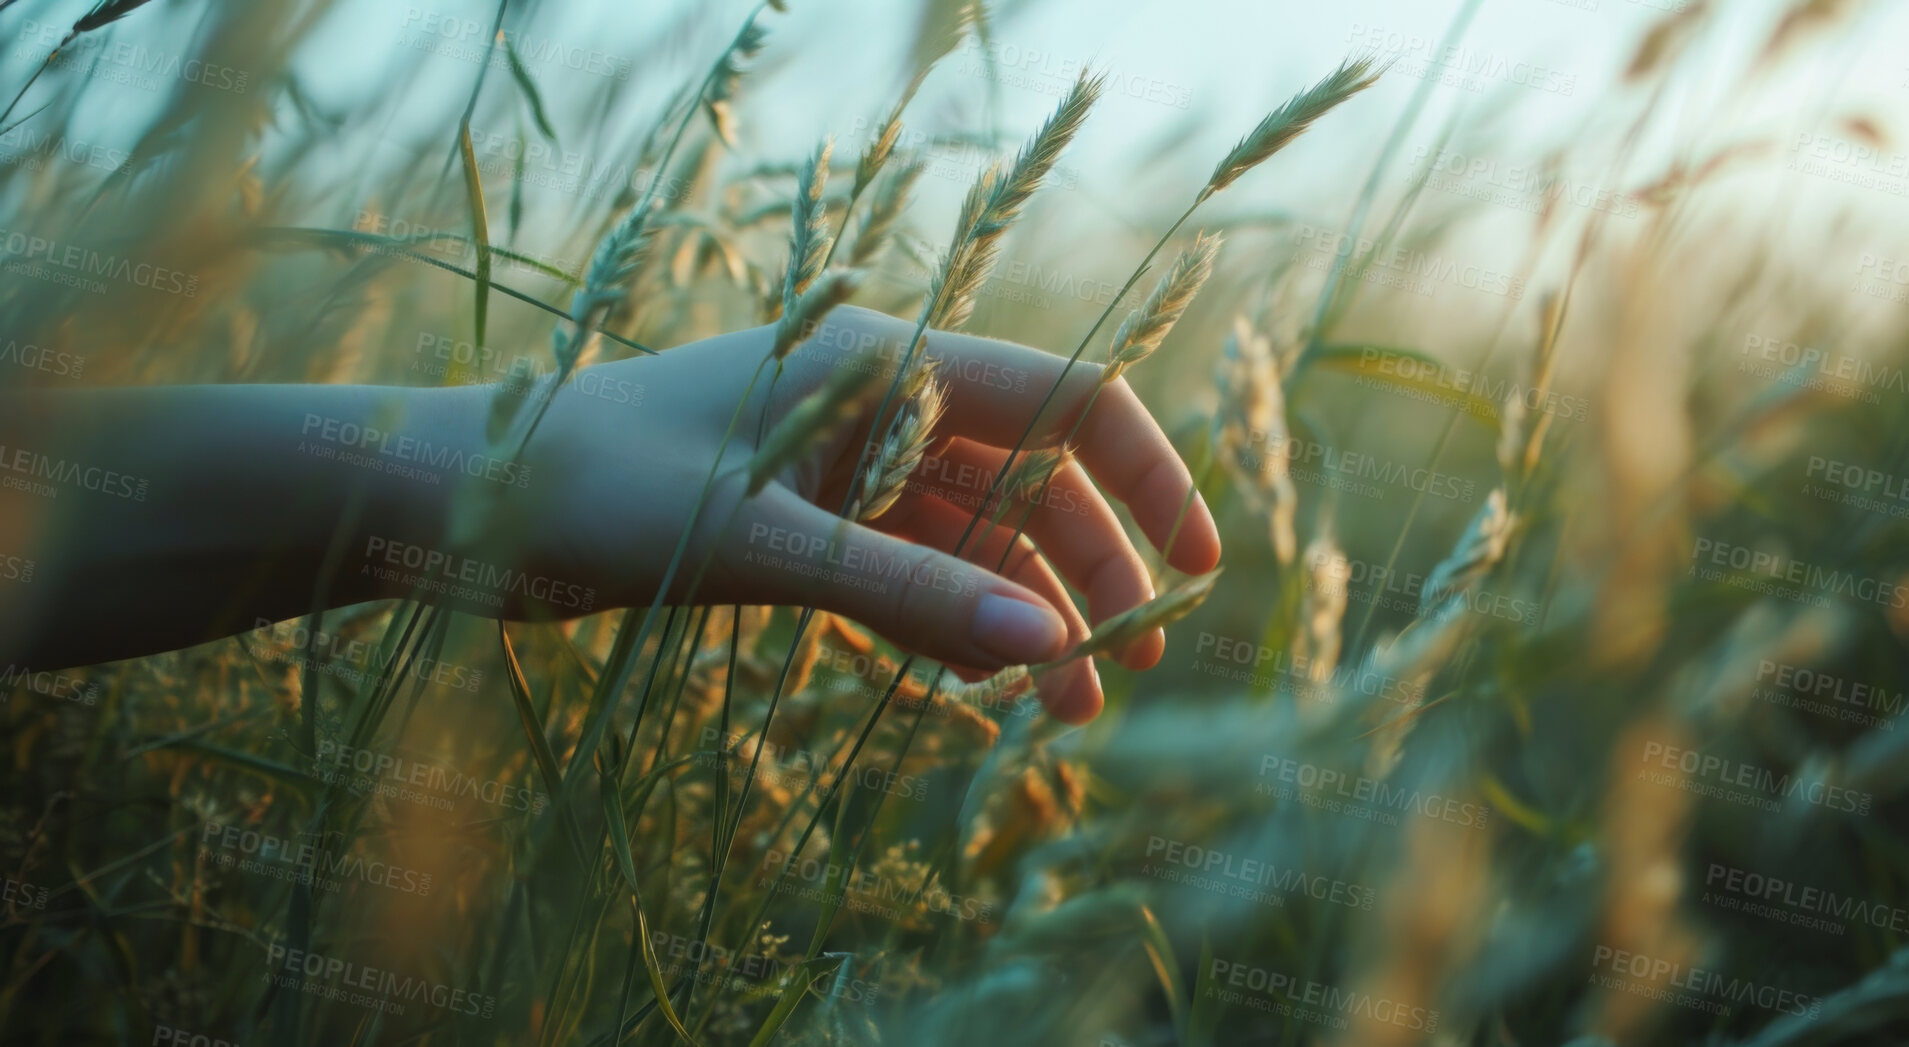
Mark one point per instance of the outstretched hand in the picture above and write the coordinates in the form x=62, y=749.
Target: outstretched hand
x=622, y=455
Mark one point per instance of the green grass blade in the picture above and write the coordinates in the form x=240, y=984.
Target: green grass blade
x=480, y=226
x=529, y=87
x=804, y=975
x=626, y=863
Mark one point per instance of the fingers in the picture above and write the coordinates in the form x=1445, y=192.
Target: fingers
x=995, y=390
x=1076, y=530
x=1070, y=691
x=786, y=550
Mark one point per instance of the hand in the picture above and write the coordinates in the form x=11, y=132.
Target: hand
x=622, y=455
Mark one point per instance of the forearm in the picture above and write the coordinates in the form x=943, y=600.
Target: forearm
x=155, y=518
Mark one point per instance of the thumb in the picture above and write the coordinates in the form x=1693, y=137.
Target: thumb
x=789, y=551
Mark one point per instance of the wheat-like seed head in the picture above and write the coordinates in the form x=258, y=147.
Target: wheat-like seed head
x=883, y=212
x=1328, y=575
x=883, y=482
x=1289, y=121
x=1037, y=158
x=1480, y=549
x=727, y=74
x=1253, y=432
x=879, y=149
x=809, y=225
x=834, y=288
x=996, y=200
x=1031, y=472
x=1148, y=326
x=970, y=257
x=1162, y=610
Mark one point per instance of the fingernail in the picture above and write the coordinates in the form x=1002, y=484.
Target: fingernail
x=1018, y=633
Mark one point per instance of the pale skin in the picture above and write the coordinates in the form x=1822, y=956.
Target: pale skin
x=265, y=501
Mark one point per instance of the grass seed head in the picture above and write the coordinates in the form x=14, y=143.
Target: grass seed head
x=1162, y=610
x=809, y=225
x=1289, y=121
x=1148, y=326
x=907, y=443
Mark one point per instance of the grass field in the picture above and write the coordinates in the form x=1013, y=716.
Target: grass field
x=1549, y=692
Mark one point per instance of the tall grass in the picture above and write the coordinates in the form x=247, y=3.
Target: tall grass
x=1400, y=779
